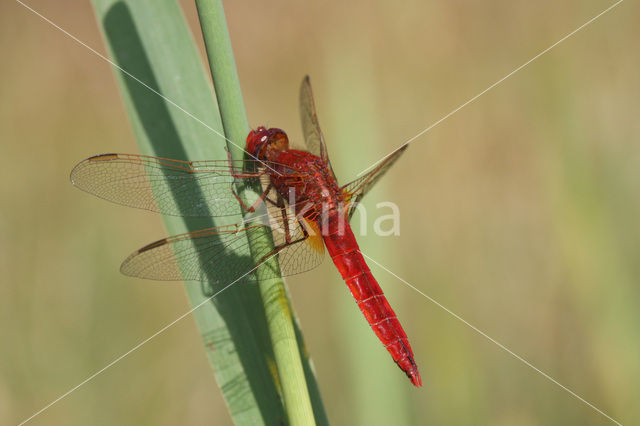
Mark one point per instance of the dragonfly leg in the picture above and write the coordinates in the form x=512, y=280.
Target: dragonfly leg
x=280, y=204
x=288, y=242
x=260, y=199
x=241, y=175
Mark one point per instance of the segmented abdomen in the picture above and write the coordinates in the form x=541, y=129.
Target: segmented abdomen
x=343, y=248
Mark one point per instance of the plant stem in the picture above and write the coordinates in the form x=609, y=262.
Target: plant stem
x=278, y=312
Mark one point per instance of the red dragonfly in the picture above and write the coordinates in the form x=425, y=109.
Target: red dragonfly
x=299, y=199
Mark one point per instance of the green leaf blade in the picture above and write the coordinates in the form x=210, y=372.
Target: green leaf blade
x=173, y=113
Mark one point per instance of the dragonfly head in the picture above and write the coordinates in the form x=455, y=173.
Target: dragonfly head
x=266, y=143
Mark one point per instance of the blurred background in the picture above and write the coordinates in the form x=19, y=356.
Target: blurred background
x=519, y=213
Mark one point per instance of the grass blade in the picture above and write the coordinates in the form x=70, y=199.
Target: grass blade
x=173, y=113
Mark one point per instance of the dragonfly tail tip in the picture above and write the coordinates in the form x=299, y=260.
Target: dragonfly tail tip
x=415, y=379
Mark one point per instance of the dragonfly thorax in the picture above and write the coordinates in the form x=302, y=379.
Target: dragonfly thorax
x=308, y=179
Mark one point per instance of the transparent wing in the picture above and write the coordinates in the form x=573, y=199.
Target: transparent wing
x=298, y=239
x=171, y=187
x=224, y=254
x=355, y=190
x=310, y=127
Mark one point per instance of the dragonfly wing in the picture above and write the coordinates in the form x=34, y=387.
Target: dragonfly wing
x=358, y=188
x=298, y=240
x=171, y=187
x=223, y=254
x=310, y=127
x=206, y=254
x=302, y=257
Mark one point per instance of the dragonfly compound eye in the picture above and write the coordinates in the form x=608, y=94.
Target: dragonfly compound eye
x=256, y=140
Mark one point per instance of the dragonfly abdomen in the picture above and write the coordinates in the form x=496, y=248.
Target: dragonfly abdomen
x=343, y=248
